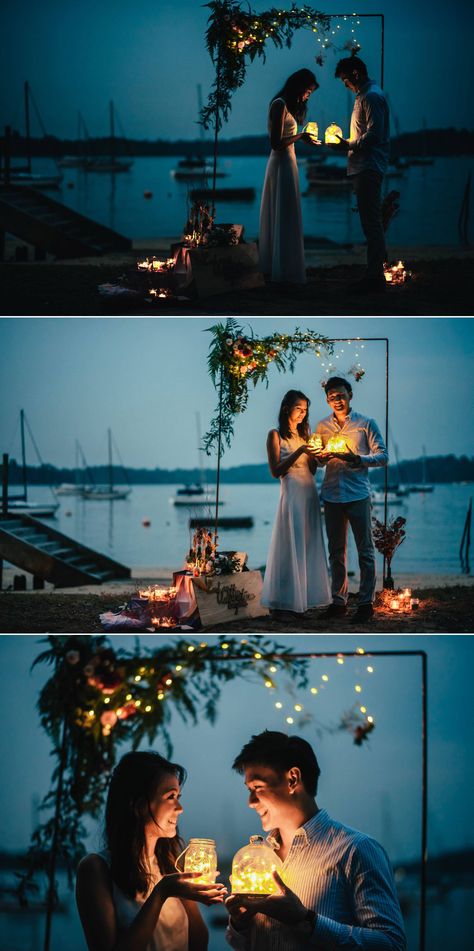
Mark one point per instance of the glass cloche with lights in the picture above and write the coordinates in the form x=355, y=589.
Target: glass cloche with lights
x=253, y=867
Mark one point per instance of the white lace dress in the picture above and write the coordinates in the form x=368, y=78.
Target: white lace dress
x=281, y=244
x=296, y=576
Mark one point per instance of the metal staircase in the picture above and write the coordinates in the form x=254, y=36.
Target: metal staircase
x=50, y=226
x=51, y=556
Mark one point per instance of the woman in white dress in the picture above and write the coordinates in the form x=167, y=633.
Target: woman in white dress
x=281, y=244
x=296, y=576
x=130, y=897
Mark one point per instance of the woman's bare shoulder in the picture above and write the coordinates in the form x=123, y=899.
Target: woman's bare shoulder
x=273, y=435
x=94, y=865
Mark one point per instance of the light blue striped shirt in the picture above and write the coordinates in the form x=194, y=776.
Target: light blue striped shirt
x=346, y=878
x=342, y=483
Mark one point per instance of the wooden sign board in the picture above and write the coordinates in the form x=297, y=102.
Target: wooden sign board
x=223, y=598
x=217, y=270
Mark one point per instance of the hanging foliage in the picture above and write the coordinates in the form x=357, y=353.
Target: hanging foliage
x=236, y=360
x=98, y=697
x=233, y=34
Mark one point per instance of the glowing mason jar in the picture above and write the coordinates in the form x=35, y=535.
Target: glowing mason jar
x=200, y=856
x=253, y=867
x=312, y=129
x=332, y=133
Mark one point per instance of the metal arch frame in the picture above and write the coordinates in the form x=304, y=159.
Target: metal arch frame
x=333, y=16
x=311, y=655
x=331, y=340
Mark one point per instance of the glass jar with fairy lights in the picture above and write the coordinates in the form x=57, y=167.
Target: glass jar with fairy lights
x=253, y=867
x=200, y=856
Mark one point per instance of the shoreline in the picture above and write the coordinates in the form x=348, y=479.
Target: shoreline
x=442, y=285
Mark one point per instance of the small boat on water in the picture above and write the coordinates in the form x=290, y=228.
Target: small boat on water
x=20, y=504
x=111, y=163
x=23, y=175
x=378, y=498
x=109, y=492
x=80, y=468
x=194, y=494
x=193, y=168
x=322, y=175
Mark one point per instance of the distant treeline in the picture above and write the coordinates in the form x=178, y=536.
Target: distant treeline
x=438, y=469
x=424, y=142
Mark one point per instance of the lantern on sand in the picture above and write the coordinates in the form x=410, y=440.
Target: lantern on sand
x=331, y=136
x=312, y=129
x=253, y=867
x=200, y=856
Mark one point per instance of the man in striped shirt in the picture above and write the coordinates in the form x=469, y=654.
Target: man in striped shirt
x=336, y=887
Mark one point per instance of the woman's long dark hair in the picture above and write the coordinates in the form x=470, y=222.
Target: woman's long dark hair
x=287, y=405
x=132, y=787
x=295, y=86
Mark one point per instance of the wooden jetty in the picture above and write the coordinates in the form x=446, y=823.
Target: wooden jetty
x=51, y=556
x=52, y=227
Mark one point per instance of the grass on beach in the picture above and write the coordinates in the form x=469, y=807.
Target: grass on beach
x=448, y=610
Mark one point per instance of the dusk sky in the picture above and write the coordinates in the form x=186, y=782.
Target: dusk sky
x=149, y=57
x=146, y=378
x=375, y=787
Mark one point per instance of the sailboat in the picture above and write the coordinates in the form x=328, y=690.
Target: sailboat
x=196, y=167
x=107, y=492
x=196, y=493
x=424, y=487
x=19, y=504
x=111, y=164
x=77, y=487
x=76, y=161
x=24, y=175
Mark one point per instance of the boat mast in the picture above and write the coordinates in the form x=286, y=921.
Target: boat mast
x=27, y=124
x=23, y=454
x=112, y=133
x=424, y=466
x=111, y=480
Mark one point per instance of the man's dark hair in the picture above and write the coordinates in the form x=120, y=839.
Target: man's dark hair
x=280, y=752
x=349, y=65
x=337, y=381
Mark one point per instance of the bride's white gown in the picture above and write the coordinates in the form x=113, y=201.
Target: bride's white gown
x=296, y=576
x=281, y=244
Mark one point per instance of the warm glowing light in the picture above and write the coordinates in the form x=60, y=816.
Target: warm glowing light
x=370, y=719
x=290, y=720
x=315, y=442
x=137, y=678
x=336, y=444
x=363, y=709
x=370, y=670
x=325, y=678
x=128, y=696
x=340, y=660
x=178, y=667
x=332, y=134
x=200, y=856
x=268, y=683
x=397, y=274
x=314, y=690
x=168, y=681
x=191, y=648
x=358, y=688
x=257, y=656
x=298, y=707
x=312, y=129
x=278, y=705
x=253, y=867
x=273, y=670
x=147, y=708
x=395, y=604
x=360, y=650
x=106, y=699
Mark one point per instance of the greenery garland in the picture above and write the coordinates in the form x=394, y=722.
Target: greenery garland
x=98, y=697
x=236, y=359
x=232, y=34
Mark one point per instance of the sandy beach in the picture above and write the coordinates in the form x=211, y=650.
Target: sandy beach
x=446, y=606
x=442, y=285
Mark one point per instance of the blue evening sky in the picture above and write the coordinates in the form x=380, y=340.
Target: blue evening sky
x=146, y=378
x=149, y=57
x=375, y=788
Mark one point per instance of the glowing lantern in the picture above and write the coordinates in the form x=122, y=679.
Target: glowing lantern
x=315, y=442
x=200, y=856
x=253, y=867
x=395, y=604
x=332, y=133
x=396, y=274
x=312, y=129
x=336, y=444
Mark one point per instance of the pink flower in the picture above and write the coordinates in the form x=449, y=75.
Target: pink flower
x=108, y=718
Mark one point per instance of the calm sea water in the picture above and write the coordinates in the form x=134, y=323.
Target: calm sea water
x=446, y=918
x=430, y=200
x=434, y=525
